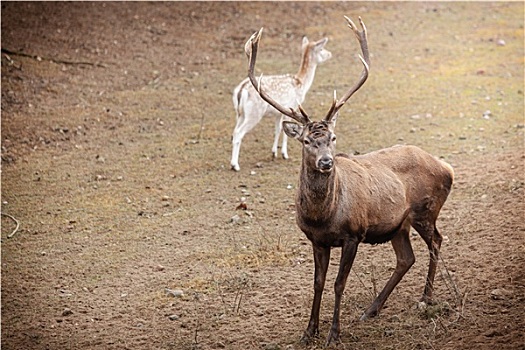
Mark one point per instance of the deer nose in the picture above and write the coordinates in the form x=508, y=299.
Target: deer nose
x=325, y=163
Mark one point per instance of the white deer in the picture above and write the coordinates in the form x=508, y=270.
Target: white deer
x=289, y=90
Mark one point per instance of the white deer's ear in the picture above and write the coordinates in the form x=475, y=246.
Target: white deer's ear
x=305, y=41
x=322, y=42
x=292, y=129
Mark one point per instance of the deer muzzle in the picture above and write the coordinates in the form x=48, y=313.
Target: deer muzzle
x=325, y=163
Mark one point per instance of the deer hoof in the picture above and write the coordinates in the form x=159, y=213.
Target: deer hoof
x=333, y=338
x=308, y=336
x=368, y=314
x=236, y=167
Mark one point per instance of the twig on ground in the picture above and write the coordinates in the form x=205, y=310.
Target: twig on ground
x=16, y=222
x=451, y=283
x=40, y=58
x=363, y=284
x=201, y=128
x=374, y=279
x=238, y=299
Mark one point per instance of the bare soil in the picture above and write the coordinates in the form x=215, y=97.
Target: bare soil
x=116, y=127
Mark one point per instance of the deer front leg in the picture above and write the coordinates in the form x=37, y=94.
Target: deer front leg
x=321, y=259
x=348, y=253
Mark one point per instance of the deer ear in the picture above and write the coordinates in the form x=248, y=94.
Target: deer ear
x=305, y=41
x=292, y=129
x=322, y=42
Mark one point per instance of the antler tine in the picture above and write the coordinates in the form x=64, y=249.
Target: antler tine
x=254, y=38
x=250, y=49
x=332, y=107
x=306, y=117
x=365, y=60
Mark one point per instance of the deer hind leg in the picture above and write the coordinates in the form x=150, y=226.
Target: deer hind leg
x=278, y=131
x=284, y=148
x=405, y=259
x=246, y=121
x=428, y=231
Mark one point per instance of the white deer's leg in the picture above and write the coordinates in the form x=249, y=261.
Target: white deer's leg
x=284, y=149
x=236, y=144
x=245, y=123
x=278, y=127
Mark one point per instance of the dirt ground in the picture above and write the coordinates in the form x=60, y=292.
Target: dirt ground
x=116, y=128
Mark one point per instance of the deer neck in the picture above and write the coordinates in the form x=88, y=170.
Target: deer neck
x=306, y=73
x=317, y=194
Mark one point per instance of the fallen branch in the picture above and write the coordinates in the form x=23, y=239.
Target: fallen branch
x=40, y=58
x=16, y=222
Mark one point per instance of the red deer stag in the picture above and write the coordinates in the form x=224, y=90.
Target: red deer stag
x=343, y=200
x=289, y=90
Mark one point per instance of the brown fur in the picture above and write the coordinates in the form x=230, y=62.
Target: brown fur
x=372, y=198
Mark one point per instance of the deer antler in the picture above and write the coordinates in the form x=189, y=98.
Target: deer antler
x=250, y=48
x=361, y=37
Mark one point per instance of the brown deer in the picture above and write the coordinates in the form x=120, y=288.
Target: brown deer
x=289, y=90
x=343, y=200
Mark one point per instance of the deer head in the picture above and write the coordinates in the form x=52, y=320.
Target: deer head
x=318, y=137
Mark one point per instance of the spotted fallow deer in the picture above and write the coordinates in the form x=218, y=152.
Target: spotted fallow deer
x=343, y=200
x=289, y=90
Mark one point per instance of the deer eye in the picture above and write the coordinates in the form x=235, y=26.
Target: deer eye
x=306, y=142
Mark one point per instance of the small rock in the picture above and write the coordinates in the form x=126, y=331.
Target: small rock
x=492, y=333
x=159, y=267
x=501, y=42
x=395, y=318
x=421, y=305
x=499, y=294
x=269, y=346
x=67, y=311
x=242, y=206
x=177, y=293
x=174, y=317
x=487, y=114
x=235, y=219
